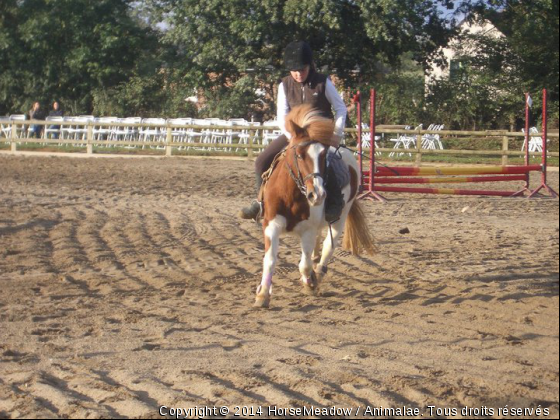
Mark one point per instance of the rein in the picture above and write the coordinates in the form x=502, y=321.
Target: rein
x=297, y=177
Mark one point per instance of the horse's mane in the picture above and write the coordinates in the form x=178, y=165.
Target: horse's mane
x=306, y=123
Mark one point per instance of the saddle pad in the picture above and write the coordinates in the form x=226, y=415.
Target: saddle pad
x=340, y=168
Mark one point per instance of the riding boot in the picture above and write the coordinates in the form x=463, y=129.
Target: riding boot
x=254, y=211
x=334, y=202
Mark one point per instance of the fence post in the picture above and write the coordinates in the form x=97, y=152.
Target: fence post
x=13, y=131
x=419, y=149
x=168, y=140
x=250, y=143
x=89, y=138
x=505, y=148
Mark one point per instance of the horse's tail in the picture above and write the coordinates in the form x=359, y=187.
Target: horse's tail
x=357, y=236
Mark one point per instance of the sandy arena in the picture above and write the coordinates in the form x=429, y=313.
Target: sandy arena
x=127, y=284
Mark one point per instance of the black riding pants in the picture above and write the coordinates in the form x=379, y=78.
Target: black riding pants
x=265, y=158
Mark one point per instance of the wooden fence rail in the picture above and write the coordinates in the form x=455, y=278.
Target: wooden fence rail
x=244, y=138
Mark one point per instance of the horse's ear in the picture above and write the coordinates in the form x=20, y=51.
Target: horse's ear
x=294, y=129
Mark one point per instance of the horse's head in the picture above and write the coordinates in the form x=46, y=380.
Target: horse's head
x=307, y=153
x=307, y=166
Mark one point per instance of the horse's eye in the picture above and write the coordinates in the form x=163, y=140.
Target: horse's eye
x=300, y=157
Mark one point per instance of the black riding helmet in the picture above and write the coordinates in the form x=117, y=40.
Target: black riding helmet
x=297, y=55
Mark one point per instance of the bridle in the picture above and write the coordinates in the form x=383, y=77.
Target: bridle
x=297, y=176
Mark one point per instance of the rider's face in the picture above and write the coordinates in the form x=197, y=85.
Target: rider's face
x=300, y=75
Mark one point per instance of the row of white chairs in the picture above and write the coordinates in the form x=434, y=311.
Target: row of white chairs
x=407, y=141
x=211, y=131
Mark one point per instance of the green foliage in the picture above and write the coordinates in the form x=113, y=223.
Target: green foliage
x=496, y=72
x=143, y=96
x=106, y=56
x=531, y=27
x=66, y=50
x=220, y=42
x=485, y=89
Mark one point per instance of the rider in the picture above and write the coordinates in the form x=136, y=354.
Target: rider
x=304, y=85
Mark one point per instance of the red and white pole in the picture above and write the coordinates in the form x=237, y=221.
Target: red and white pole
x=544, y=185
x=370, y=193
x=357, y=102
x=527, y=96
x=372, y=109
x=544, y=135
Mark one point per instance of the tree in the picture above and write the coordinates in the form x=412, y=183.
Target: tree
x=532, y=31
x=490, y=74
x=232, y=48
x=67, y=50
x=483, y=88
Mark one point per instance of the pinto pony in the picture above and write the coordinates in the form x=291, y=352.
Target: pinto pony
x=294, y=203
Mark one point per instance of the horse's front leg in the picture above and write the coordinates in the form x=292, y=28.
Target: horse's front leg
x=329, y=245
x=318, y=246
x=271, y=244
x=308, y=277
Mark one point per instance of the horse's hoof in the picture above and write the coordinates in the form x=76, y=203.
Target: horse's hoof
x=311, y=286
x=262, y=302
x=262, y=299
x=320, y=273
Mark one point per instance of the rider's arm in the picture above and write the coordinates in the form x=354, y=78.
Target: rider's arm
x=282, y=110
x=338, y=107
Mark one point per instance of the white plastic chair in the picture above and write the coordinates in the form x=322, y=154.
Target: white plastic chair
x=77, y=130
x=103, y=132
x=65, y=130
x=271, y=131
x=180, y=134
x=5, y=127
x=535, y=142
x=366, y=138
x=405, y=140
x=223, y=135
x=241, y=131
x=200, y=133
x=125, y=133
x=20, y=129
x=156, y=133
x=238, y=121
x=432, y=141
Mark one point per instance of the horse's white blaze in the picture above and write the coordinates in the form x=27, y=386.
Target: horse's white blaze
x=314, y=152
x=272, y=232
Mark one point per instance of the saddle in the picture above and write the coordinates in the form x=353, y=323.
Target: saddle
x=338, y=168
